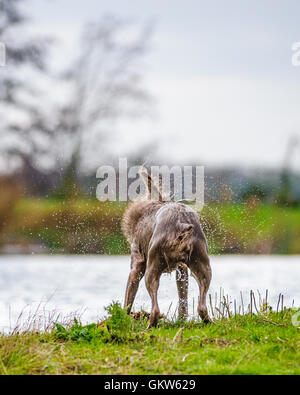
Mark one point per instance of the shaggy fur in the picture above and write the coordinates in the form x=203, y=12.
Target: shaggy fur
x=165, y=236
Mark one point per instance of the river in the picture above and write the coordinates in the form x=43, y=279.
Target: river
x=85, y=284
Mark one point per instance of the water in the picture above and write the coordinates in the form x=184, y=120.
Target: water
x=86, y=284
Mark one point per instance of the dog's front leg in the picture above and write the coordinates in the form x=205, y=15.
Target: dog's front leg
x=138, y=267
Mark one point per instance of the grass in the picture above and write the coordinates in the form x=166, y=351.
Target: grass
x=76, y=227
x=262, y=229
x=263, y=343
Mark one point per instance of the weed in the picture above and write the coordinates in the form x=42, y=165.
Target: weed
x=78, y=332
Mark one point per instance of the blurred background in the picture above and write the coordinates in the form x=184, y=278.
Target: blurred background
x=204, y=83
x=207, y=83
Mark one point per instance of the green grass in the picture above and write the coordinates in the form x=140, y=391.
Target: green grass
x=266, y=343
x=76, y=227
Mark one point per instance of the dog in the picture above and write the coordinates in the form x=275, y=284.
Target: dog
x=165, y=236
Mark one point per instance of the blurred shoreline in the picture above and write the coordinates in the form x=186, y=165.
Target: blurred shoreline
x=86, y=226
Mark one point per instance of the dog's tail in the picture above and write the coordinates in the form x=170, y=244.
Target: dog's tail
x=154, y=190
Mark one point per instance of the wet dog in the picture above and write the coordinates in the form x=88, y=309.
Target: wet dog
x=165, y=236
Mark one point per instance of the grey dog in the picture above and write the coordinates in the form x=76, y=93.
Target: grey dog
x=165, y=236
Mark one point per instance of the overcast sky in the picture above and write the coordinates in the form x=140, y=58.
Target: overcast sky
x=221, y=71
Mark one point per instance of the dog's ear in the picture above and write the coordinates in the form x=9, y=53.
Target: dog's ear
x=185, y=231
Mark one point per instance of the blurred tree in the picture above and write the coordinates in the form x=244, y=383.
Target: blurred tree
x=105, y=86
x=22, y=118
x=9, y=193
x=69, y=187
x=256, y=190
x=102, y=86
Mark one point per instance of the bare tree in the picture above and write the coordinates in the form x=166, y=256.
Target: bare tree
x=22, y=119
x=100, y=87
x=105, y=83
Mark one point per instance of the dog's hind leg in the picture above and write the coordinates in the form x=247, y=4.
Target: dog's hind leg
x=152, y=277
x=138, y=267
x=201, y=270
x=182, y=282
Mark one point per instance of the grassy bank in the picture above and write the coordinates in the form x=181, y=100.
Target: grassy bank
x=265, y=343
x=89, y=226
